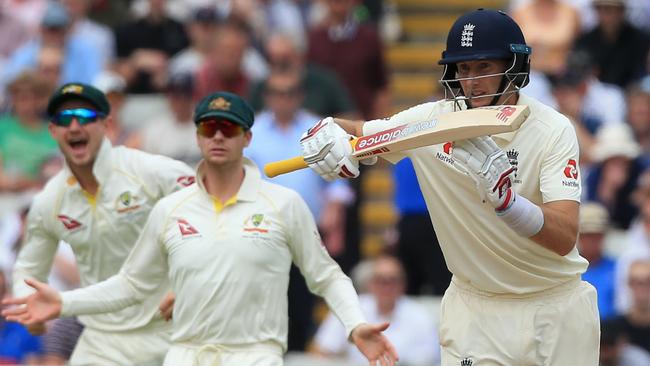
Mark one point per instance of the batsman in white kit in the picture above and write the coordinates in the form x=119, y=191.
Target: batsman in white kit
x=98, y=204
x=504, y=207
x=226, y=244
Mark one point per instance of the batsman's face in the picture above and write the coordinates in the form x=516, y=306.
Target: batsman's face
x=483, y=78
x=79, y=143
x=221, y=150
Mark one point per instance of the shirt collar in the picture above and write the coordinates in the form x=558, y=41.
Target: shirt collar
x=508, y=136
x=101, y=166
x=250, y=186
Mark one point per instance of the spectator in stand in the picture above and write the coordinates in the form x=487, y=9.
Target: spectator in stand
x=638, y=243
x=201, y=29
x=618, y=48
x=223, y=68
x=81, y=59
x=96, y=33
x=113, y=86
x=412, y=330
x=25, y=143
x=417, y=244
x=612, y=180
x=28, y=12
x=638, y=112
x=50, y=62
x=636, y=321
x=270, y=16
x=598, y=103
x=550, y=27
x=355, y=52
x=17, y=346
x=615, y=350
x=169, y=134
x=323, y=92
x=13, y=33
x=594, y=222
x=144, y=47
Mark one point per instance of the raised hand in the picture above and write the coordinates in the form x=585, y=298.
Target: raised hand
x=326, y=149
x=374, y=345
x=39, y=307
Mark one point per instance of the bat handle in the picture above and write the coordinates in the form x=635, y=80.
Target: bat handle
x=284, y=166
x=292, y=164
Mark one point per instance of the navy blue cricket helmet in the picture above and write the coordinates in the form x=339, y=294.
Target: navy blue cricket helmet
x=486, y=34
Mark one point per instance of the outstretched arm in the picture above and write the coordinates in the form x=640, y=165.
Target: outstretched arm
x=140, y=276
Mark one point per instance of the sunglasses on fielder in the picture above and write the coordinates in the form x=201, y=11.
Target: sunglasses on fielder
x=82, y=115
x=209, y=127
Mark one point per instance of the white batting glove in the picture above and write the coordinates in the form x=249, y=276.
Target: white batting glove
x=326, y=149
x=488, y=165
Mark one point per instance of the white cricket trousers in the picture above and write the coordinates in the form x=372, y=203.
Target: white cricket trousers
x=556, y=327
x=146, y=346
x=258, y=354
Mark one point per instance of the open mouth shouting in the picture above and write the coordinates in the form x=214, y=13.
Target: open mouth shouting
x=78, y=145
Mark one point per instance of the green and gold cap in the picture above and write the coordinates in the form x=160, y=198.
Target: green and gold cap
x=225, y=105
x=78, y=91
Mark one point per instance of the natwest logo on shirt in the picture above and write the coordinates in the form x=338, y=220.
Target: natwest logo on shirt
x=186, y=228
x=447, y=147
x=69, y=223
x=571, y=174
x=571, y=169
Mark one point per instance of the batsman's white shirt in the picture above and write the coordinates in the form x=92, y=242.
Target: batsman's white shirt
x=228, y=265
x=101, y=230
x=479, y=248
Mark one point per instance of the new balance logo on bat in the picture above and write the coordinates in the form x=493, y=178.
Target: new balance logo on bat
x=369, y=141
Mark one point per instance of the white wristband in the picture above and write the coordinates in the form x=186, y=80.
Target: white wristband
x=523, y=216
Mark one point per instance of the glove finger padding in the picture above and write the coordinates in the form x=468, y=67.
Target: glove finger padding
x=489, y=166
x=326, y=149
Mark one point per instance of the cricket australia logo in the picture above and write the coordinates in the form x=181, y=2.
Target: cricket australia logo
x=126, y=202
x=254, y=224
x=467, y=36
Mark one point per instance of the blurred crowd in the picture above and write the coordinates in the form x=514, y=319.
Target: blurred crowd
x=297, y=61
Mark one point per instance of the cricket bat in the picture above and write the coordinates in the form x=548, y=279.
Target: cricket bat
x=446, y=127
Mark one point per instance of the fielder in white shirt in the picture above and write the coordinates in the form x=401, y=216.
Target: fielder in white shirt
x=226, y=244
x=505, y=208
x=98, y=204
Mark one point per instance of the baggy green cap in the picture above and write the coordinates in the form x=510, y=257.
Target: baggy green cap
x=225, y=105
x=79, y=91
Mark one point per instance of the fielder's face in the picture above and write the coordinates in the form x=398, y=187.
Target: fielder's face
x=220, y=144
x=482, y=80
x=80, y=140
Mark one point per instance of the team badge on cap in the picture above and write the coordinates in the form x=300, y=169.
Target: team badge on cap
x=78, y=89
x=467, y=36
x=220, y=104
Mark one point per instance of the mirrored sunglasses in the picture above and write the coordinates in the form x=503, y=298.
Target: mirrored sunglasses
x=82, y=115
x=209, y=127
